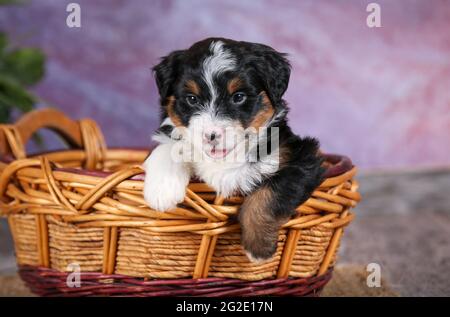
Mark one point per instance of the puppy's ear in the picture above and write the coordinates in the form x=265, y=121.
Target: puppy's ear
x=166, y=72
x=274, y=70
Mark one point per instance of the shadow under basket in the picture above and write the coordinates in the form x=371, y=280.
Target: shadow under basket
x=82, y=210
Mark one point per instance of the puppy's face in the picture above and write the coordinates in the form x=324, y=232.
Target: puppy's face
x=221, y=90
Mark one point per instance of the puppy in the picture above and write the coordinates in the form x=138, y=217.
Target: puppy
x=216, y=97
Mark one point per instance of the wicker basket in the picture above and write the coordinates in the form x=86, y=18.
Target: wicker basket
x=85, y=207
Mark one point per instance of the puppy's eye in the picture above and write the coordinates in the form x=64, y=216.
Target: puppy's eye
x=192, y=100
x=239, y=98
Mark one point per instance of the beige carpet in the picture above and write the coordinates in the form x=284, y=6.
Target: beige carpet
x=350, y=280
x=347, y=281
x=12, y=285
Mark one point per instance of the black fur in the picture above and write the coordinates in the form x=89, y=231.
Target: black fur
x=299, y=175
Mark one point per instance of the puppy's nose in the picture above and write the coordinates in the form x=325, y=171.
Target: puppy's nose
x=212, y=135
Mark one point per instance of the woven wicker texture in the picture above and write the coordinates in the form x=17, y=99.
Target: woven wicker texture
x=86, y=206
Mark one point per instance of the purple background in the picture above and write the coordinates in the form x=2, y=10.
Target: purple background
x=380, y=95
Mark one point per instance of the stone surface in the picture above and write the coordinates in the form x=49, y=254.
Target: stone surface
x=379, y=95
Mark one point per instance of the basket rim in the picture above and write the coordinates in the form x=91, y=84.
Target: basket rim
x=341, y=163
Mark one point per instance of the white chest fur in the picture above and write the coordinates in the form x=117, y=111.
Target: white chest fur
x=228, y=178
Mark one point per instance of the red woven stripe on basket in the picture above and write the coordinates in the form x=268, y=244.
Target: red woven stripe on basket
x=49, y=282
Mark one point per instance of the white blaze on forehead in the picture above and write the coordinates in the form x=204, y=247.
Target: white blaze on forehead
x=218, y=62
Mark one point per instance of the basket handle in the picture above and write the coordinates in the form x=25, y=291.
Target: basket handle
x=83, y=134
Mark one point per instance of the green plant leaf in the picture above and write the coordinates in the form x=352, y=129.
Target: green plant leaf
x=3, y=41
x=15, y=96
x=5, y=113
x=8, y=2
x=25, y=65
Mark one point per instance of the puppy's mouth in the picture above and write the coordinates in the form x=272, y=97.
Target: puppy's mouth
x=218, y=153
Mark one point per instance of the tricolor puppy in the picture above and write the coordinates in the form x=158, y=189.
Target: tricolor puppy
x=221, y=103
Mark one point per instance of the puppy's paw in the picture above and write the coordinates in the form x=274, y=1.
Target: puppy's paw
x=260, y=253
x=165, y=180
x=163, y=193
x=254, y=259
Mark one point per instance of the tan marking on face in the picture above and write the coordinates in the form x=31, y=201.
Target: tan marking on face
x=171, y=113
x=233, y=85
x=264, y=114
x=192, y=87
